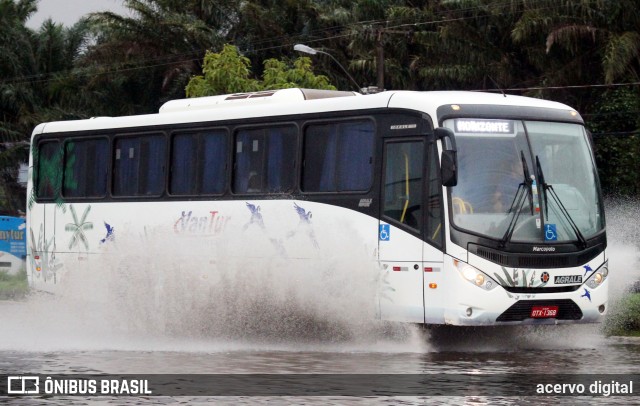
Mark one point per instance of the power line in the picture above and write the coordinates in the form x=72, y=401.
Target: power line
x=526, y=89
x=171, y=59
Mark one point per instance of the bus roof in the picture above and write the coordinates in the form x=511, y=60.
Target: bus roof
x=297, y=101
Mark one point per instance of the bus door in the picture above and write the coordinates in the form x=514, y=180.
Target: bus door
x=400, y=245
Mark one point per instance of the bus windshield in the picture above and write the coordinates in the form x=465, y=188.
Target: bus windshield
x=525, y=181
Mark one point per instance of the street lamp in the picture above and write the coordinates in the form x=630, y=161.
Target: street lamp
x=311, y=51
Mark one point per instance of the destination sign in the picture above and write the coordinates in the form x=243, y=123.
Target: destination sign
x=485, y=126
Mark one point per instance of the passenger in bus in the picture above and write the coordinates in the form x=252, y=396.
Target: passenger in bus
x=509, y=177
x=496, y=191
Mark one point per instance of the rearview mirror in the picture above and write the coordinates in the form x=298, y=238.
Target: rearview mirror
x=447, y=137
x=449, y=168
x=449, y=158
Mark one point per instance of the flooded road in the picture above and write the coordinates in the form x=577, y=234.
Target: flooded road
x=48, y=335
x=530, y=352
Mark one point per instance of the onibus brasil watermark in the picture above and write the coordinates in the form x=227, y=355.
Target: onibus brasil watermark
x=425, y=384
x=32, y=385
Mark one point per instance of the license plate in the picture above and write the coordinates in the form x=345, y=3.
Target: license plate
x=544, y=312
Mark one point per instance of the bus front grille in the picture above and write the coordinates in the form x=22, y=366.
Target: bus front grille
x=544, y=289
x=521, y=310
x=536, y=261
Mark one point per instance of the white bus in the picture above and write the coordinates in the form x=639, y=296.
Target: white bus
x=477, y=209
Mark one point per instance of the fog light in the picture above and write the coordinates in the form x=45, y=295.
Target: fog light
x=598, y=278
x=601, y=308
x=469, y=311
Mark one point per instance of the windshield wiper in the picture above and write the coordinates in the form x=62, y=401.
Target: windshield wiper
x=527, y=180
x=518, y=201
x=548, y=187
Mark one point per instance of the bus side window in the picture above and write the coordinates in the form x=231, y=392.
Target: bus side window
x=85, y=168
x=338, y=157
x=184, y=164
x=139, y=165
x=403, y=182
x=198, y=163
x=265, y=160
x=213, y=162
x=49, y=171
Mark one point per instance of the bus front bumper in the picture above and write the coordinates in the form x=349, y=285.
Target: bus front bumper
x=499, y=307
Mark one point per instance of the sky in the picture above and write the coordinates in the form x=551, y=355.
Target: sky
x=68, y=12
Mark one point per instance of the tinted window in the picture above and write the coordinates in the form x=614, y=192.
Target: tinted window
x=265, y=160
x=198, y=163
x=403, y=182
x=338, y=157
x=49, y=172
x=139, y=168
x=85, y=168
x=184, y=164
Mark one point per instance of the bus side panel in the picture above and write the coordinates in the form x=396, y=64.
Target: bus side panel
x=41, y=268
x=318, y=240
x=436, y=285
x=401, y=294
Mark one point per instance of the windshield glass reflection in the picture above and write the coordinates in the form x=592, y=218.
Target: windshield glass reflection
x=498, y=194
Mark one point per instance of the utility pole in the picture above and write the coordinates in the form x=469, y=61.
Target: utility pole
x=380, y=59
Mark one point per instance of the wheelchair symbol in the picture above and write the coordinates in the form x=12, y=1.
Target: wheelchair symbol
x=384, y=232
x=550, y=233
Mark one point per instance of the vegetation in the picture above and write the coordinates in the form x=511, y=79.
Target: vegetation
x=229, y=72
x=585, y=53
x=13, y=286
x=624, y=320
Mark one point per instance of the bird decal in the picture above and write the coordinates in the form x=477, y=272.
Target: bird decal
x=304, y=215
x=586, y=294
x=110, y=236
x=587, y=269
x=305, y=224
x=256, y=216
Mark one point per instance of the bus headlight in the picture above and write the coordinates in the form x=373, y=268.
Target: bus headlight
x=598, y=276
x=475, y=276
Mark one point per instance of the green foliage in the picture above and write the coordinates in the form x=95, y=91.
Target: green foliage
x=278, y=75
x=615, y=125
x=223, y=73
x=229, y=72
x=111, y=64
x=13, y=286
x=624, y=319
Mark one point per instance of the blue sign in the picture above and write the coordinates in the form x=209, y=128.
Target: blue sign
x=13, y=236
x=384, y=234
x=550, y=233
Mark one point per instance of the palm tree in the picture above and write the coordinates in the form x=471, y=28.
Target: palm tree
x=17, y=67
x=17, y=98
x=143, y=60
x=36, y=85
